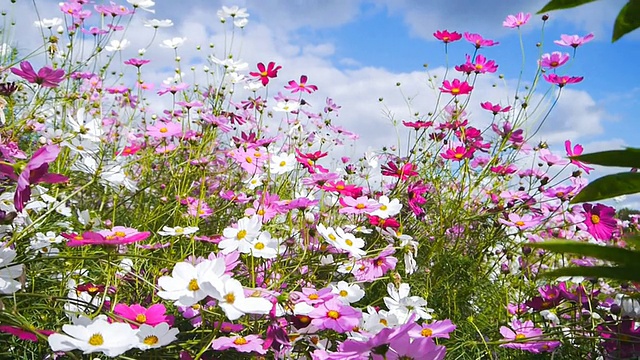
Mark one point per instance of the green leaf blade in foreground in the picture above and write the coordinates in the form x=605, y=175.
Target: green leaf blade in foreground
x=608, y=187
x=629, y=157
x=562, y=4
x=617, y=273
x=624, y=257
x=628, y=20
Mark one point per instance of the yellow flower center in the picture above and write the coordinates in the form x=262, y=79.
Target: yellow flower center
x=241, y=234
x=96, y=339
x=383, y=322
x=360, y=206
x=313, y=296
x=120, y=234
x=141, y=318
x=520, y=336
x=249, y=159
x=163, y=130
x=230, y=298
x=426, y=332
x=519, y=223
x=240, y=341
x=260, y=212
x=332, y=237
x=264, y=73
x=193, y=285
x=333, y=314
x=343, y=293
x=455, y=91
x=150, y=340
x=340, y=187
x=259, y=246
x=283, y=163
x=349, y=242
x=595, y=219
x=383, y=207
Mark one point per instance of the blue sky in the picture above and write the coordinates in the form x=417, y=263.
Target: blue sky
x=357, y=50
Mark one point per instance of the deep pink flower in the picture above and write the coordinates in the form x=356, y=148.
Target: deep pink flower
x=301, y=86
x=245, y=344
x=495, y=109
x=561, y=81
x=46, y=76
x=24, y=334
x=456, y=87
x=137, y=62
x=621, y=339
x=573, y=40
x=515, y=21
x=270, y=71
x=375, y=268
x=417, y=125
x=577, y=150
x=553, y=60
x=138, y=315
x=481, y=65
x=402, y=172
x=600, y=221
x=447, y=37
x=478, y=41
x=93, y=238
x=458, y=153
x=335, y=315
x=343, y=189
x=34, y=172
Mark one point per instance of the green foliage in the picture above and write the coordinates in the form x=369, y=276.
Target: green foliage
x=629, y=157
x=627, y=21
x=609, y=186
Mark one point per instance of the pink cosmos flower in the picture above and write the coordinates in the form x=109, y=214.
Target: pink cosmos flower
x=93, y=238
x=436, y=329
x=447, y=37
x=172, y=88
x=245, y=344
x=361, y=205
x=138, y=315
x=458, y=153
x=265, y=73
x=481, y=65
x=335, y=315
x=520, y=332
x=406, y=347
x=372, y=269
x=495, y=109
x=561, y=81
x=34, y=172
x=515, y=21
x=24, y=334
x=478, y=41
x=553, y=60
x=403, y=172
x=577, y=150
x=551, y=159
x=600, y=221
x=46, y=76
x=573, y=40
x=456, y=87
x=521, y=222
x=301, y=86
x=164, y=129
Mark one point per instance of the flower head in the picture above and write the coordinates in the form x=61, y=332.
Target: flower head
x=446, y=36
x=46, y=76
x=515, y=21
x=266, y=73
x=573, y=40
x=456, y=87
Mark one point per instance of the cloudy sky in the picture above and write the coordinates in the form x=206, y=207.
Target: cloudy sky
x=356, y=51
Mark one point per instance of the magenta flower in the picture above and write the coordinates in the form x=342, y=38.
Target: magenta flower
x=360, y=205
x=93, y=238
x=519, y=333
x=375, y=268
x=172, y=88
x=577, y=150
x=24, y=334
x=553, y=60
x=515, y=21
x=561, y=81
x=621, y=339
x=137, y=62
x=404, y=347
x=335, y=315
x=573, y=40
x=164, y=129
x=436, y=329
x=245, y=344
x=447, y=37
x=402, y=172
x=301, y=86
x=34, y=172
x=458, y=153
x=265, y=73
x=495, y=109
x=521, y=222
x=138, y=315
x=481, y=65
x=478, y=41
x=46, y=76
x=456, y=87
x=600, y=221
x=551, y=159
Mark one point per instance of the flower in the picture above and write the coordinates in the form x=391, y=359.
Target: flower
x=105, y=237
x=240, y=237
x=404, y=305
x=46, y=76
x=24, y=334
x=495, y=109
x=231, y=298
x=164, y=129
x=388, y=208
x=600, y=221
x=436, y=329
x=265, y=73
x=96, y=335
x=456, y=87
x=189, y=284
x=574, y=40
x=48, y=23
x=561, y=81
x=264, y=246
x=360, y=205
x=150, y=337
x=139, y=315
x=9, y=272
x=245, y=344
x=553, y=60
x=155, y=23
x=301, y=86
x=117, y=45
x=173, y=43
x=283, y=163
x=347, y=293
x=335, y=315
x=521, y=222
x=447, y=37
x=515, y=21
x=34, y=172
x=458, y=153
x=478, y=41
x=232, y=12
x=143, y=4
x=576, y=151
x=178, y=231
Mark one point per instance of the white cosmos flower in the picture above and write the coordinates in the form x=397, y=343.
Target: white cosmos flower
x=347, y=293
x=99, y=335
x=254, y=181
x=151, y=337
x=91, y=130
x=173, y=43
x=388, y=207
x=189, y=284
x=178, y=230
x=264, y=246
x=9, y=272
x=286, y=106
x=349, y=243
x=241, y=22
x=235, y=304
x=253, y=86
x=328, y=233
x=143, y=4
x=283, y=163
x=155, y=23
x=232, y=12
x=48, y=23
x=403, y=305
x=240, y=237
x=117, y=45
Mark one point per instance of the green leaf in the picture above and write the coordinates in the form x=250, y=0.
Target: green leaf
x=618, y=273
x=628, y=20
x=629, y=157
x=609, y=186
x=562, y=4
x=625, y=257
